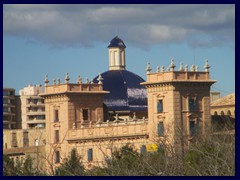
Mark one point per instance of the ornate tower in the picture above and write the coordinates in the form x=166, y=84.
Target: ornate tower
x=178, y=104
x=116, y=52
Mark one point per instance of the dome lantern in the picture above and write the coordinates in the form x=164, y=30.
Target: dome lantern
x=116, y=53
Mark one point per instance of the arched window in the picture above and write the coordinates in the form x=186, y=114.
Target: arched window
x=215, y=113
x=222, y=113
x=229, y=113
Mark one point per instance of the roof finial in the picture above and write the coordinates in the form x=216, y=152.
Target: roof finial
x=181, y=67
x=54, y=81
x=172, y=65
x=46, y=81
x=158, y=69
x=79, y=80
x=148, y=69
x=192, y=68
x=87, y=81
x=162, y=68
x=196, y=68
x=100, y=79
x=59, y=82
x=186, y=68
x=67, y=78
x=206, y=66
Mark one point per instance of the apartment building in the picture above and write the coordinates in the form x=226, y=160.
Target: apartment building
x=32, y=107
x=9, y=108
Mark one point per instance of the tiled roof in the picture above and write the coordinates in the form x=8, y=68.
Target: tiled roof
x=226, y=100
x=126, y=93
x=116, y=42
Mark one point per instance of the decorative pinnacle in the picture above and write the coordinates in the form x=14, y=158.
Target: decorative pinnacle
x=54, y=81
x=46, y=81
x=87, y=81
x=172, y=65
x=67, y=78
x=196, y=68
x=158, y=69
x=162, y=68
x=186, y=68
x=192, y=68
x=206, y=66
x=100, y=79
x=134, y=116
x=79, y=80
x=181, y=67
x=59, y=82
x=148, y=69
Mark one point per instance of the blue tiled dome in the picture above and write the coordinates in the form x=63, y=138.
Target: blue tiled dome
x=126, y=93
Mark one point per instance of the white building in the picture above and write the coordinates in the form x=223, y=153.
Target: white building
x=32, y=107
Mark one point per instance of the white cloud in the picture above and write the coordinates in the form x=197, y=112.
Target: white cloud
x=143, y=25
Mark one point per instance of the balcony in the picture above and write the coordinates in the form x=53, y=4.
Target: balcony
x=113, y=130
x=8, y=97
x=36, y=113
x=35, y=105
x=8, y=122
x=8, y=105
x=36, y=121
x=9, y=113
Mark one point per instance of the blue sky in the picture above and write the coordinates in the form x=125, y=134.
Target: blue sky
x=55, y=39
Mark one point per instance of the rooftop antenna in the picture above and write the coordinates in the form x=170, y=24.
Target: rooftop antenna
x=116, y=31
x=194, y=57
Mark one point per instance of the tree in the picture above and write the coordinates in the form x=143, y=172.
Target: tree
x=71, y=166
x=23, y=167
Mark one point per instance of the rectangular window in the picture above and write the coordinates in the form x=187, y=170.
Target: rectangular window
x=160, y=129
x=160, y=106
x=192, y=128
x=5, y=101
x=192, y=103
x=14, y=139
x=57, y=157
x=6, y=93
x=34, y=101
x=56, y=136
x=5, y=109
x=85, y=114
x=90, y=154
x=56, y=115
x=40, y=117
x=25, y=139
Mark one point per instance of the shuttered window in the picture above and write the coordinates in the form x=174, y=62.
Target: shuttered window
x=160, y=129
x=192, y=128
x=90, y=154
x=192, y=103
x=57, y=157
x=14, y=139
x=56, y=136
x=56, y=116
x=25, y=139
x=160, y=106
x=85, y=114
